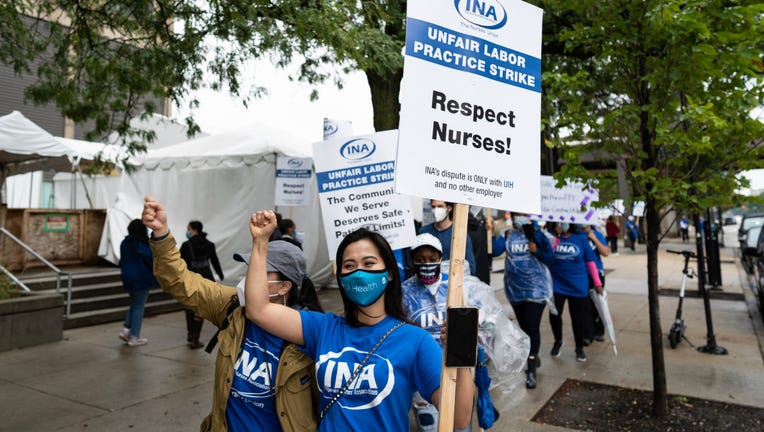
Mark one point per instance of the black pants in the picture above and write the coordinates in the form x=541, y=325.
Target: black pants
x=613, y=243
x=577, y=310
x=193, y=325
x=685, y=234
x=632, y=243
x=529, y=318
x=593, y=323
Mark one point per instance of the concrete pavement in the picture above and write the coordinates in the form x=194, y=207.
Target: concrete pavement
x=91, y=381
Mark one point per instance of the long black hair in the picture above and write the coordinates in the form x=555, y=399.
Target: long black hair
x=393, y=293
x=137, y=231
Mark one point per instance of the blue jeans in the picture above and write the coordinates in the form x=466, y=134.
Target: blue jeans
x=134, y=316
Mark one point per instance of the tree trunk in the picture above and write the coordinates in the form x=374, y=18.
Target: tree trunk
x=660, y=402
x=384, y=99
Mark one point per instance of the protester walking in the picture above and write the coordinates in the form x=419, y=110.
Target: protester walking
x=135, y=270
x=371, y=338
x=262, y=383
x=613, y=234
x=595, y=329
x=527, y=282
x=199, y=254
x=684, y=227
x=574, y=263
x=442, y=229
x=632, y=233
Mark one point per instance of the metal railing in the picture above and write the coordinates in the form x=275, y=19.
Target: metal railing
x=50, y=265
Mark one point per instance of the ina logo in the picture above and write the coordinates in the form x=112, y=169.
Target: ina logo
x=357, y=149
x=294, y=163
x=330, y=128
x=489, y=14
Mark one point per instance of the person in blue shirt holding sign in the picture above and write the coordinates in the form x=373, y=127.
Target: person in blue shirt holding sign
x=574, y=263
x=370, y=361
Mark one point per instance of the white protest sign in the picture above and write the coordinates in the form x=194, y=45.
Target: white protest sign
x=337, y=128
x=355, y=187
x=571, y=203
x=471, y=103
x=293, y=177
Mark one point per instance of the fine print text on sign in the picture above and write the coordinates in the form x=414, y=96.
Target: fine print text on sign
x=355, y=186
x=293, y=176
x=471, y=103
x=571, y=203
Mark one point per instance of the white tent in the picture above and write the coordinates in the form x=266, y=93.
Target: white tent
x=219, y=180
x=25, y=149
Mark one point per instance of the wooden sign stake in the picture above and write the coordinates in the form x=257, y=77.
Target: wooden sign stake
x=455, y=298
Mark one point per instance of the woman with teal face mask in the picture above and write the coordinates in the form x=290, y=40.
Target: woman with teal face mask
x=370, y=361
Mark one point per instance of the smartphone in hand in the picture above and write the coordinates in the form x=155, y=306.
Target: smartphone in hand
x=461, y=336
x=528, y=230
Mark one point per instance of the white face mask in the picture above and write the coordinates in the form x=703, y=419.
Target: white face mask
x=300, y=236
x=439, y=213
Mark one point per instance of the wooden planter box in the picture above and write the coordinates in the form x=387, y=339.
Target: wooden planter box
x=31, y=319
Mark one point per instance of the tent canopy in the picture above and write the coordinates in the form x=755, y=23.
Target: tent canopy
x=219, y=180
x=26, y=147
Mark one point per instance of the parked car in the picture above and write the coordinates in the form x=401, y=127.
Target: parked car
x=748, y=235
x=757, y=256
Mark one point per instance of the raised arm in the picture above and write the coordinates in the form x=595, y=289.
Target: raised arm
x=276, y=319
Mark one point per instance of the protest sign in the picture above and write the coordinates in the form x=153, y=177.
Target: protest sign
x=337, y=128
x=571, y=203
x=355, y=187
x=471, y=103
x=293, y=176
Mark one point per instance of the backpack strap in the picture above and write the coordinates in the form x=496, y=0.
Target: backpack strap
x=231, y=307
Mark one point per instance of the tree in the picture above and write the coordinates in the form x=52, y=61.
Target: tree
x=107, y=61
x=666, y=88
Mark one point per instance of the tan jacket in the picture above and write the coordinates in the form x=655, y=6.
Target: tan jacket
x=210, y=300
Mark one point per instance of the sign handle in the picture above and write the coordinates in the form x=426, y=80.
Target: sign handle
x=455, y=298
x=489, y=233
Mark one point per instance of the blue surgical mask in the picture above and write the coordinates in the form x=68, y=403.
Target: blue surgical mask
x=188, y=234
x=364, y=287
x=565, y=227
x=519, y=221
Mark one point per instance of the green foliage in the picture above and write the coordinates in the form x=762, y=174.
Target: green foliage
x=8, y=289
x=664, y=86
x=106, y=61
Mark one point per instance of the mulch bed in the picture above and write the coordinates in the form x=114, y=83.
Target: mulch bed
x=598, y=407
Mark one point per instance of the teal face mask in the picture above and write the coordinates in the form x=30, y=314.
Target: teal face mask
x=364, y=287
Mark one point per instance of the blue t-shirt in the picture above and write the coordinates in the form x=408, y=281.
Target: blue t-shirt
x=569, y=272
x=445, y=242
x=251, y=403
x=380, y=397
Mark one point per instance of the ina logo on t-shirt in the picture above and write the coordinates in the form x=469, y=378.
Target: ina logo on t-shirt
x=373, y=384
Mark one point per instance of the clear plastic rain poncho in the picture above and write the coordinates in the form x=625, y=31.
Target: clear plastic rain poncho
x=506, y=345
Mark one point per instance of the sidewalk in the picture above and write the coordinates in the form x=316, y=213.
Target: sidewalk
x=90, y=381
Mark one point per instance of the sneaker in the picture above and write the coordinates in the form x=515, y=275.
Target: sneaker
x=586, y=342
x=580, y=355
x=137, y=341
x=195, y=344
x=599, y=338
x=125, y=334
x=556, y=348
